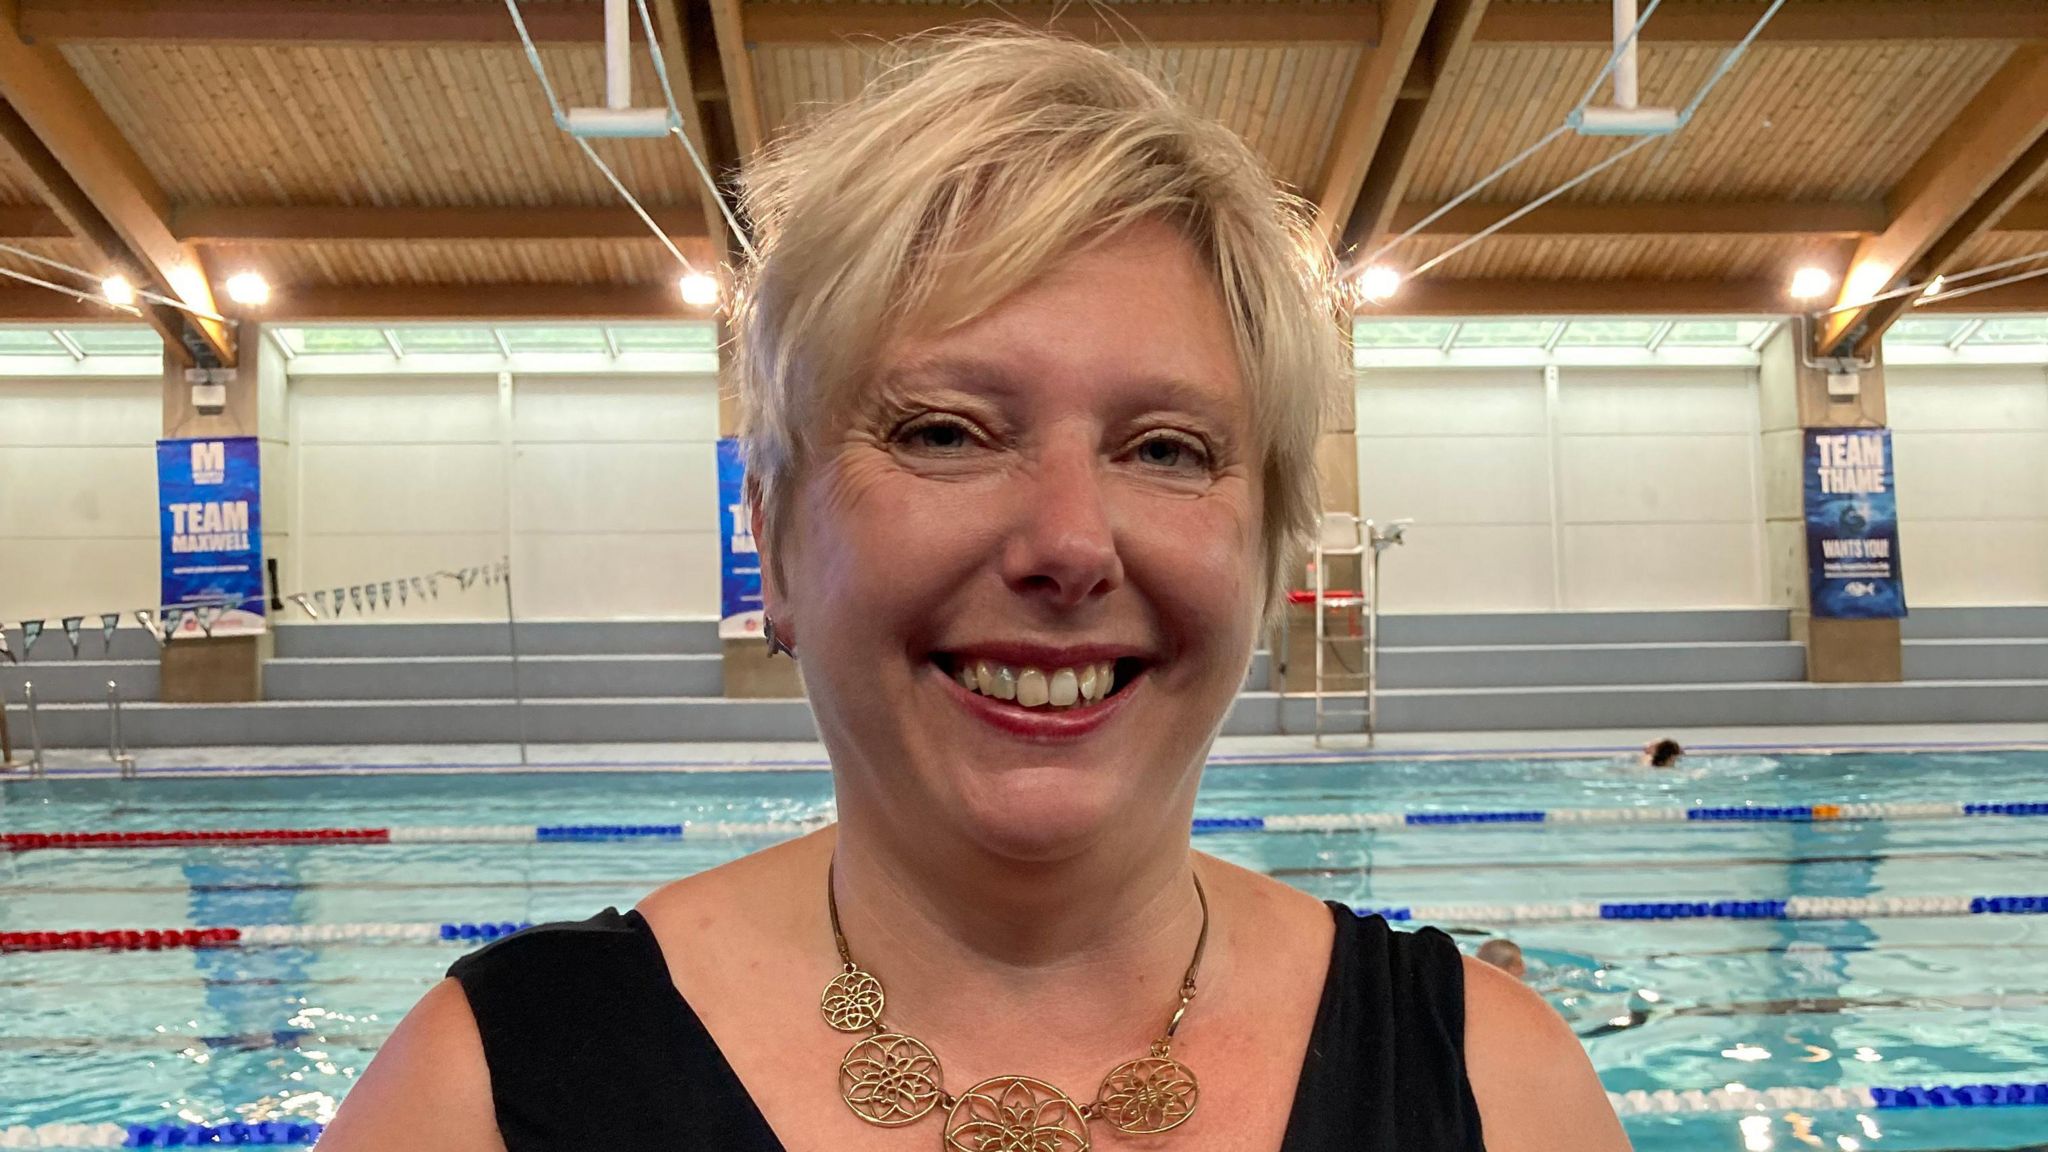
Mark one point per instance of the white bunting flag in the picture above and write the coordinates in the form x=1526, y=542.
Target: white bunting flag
x=72, y=626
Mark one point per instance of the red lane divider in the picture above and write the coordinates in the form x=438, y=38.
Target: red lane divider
x=120, y=940
x=30, y=841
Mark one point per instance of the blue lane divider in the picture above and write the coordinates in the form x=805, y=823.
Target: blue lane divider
x=609, y=832
x=2010, y=905
x=1963, y=1096
x=2028, y=809
x=1229, y=824
x=1795, y=812
x=480, y=931
x=1694, y=909
x=1509, y=817
x=271, y=1132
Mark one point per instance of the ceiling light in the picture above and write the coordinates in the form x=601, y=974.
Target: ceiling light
x=118, y=291
x=699, y=290
x=1379, y=283
x=249, y=288
x=1811, y=283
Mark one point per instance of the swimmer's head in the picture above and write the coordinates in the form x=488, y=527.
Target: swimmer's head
x=975, y=163
x=1662, y=753
x=1505, y=955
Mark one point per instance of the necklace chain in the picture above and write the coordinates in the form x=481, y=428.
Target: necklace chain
x=890, y=1078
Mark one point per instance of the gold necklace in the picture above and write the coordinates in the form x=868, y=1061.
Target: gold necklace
x=891, y=1079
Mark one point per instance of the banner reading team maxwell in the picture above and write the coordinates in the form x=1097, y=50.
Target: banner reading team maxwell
x=739, y=563
x=1852, y=525
x=209, y=507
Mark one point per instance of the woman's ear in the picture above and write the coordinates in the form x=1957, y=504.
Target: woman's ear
x=771, y=588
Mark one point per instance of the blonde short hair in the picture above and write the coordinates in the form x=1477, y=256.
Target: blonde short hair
x=965, y=171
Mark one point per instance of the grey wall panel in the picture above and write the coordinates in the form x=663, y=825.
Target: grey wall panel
x=1500, y=628
x=1536, y=665
x=1977, y=660
x=536, y=638
x=79, y=681
x=490, y=677
x=2028, y=622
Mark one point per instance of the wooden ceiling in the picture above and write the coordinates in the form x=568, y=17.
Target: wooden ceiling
x=396, y=159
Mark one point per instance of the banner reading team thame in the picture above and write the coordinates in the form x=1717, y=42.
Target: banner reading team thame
x=210, y=513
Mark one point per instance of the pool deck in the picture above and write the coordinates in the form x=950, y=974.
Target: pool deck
x=491, y=758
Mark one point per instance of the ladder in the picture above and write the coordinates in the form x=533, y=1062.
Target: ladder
x=1353, y=689
x=1346, y=690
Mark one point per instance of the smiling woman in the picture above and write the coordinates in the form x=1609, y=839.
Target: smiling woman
x=1031, y=362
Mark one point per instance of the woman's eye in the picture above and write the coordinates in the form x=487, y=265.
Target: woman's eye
x=936, y=436
x=1173, y=453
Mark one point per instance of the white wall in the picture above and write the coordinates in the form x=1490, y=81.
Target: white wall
x=78, y=516
x=1971, y=446
x=1616, y=489
x=612, y=498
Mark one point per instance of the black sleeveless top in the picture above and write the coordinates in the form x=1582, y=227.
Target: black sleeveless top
x=589, y=1045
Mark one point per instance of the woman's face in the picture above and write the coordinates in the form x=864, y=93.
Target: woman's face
x=1024, y=569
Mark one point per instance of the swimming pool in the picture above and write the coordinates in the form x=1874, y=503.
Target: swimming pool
x=276, y=1033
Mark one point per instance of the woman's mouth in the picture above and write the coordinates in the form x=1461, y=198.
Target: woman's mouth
x=1052, y=689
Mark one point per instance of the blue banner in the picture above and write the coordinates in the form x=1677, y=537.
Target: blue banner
x=1852, y=525
x=210, y=516
x=739, y=563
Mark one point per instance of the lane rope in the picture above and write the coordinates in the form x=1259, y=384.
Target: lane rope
x=1204, y=825
x=1639, y=1102
x=394, y=932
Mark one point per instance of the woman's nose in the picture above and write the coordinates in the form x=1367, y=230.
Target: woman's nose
x=1064, y=547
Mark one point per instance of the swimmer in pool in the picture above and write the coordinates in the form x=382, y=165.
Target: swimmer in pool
x=1661, y=753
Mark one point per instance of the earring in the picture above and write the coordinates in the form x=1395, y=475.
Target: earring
x=776, y=644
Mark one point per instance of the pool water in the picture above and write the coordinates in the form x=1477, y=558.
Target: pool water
x=281, y=1032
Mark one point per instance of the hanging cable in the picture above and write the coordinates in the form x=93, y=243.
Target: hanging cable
x=1998, y=283
x=1720, y=73
x=67, y=290
x=1911, y=289
x=1613, y=61
x=140, y=292
x=676, y=128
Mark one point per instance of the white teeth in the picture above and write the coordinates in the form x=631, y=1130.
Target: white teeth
x=1037, y=688
x=1064, y=688
x=1031, y=690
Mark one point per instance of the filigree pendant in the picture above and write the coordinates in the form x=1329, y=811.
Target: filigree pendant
x=852, y=1001
x=1016, y=1114
x=1147, y=1096
x=890, y=1079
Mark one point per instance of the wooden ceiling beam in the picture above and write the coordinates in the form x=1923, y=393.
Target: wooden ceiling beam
x=296, y=224
x=1211, y=22
x=304, y=21
x=1427, y=297
x=728, y=25
x=31, y=222
x=1445, y=43
x=90, y=176
x=311, y=303
x=1720, y=22
x=1437, y=296
x=1661, y=218
x=672, y=18
x=1987, y=158
x=1370, y=111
